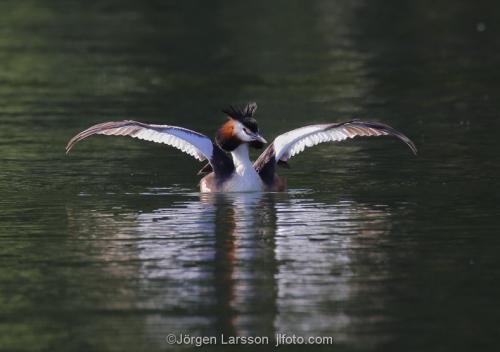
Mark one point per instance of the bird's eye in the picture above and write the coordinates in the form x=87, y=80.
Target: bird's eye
x=246, y=131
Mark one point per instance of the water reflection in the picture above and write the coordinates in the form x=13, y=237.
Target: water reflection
x=242, y=264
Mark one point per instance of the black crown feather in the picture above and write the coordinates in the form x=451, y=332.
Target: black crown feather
x=244, y=114
x=241, y=112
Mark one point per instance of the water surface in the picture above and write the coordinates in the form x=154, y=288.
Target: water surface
x=112, y=247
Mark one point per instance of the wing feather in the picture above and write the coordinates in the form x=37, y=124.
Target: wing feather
x=190, y=142
x=296, y=141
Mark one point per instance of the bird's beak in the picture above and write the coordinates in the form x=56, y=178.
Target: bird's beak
x=259, y=138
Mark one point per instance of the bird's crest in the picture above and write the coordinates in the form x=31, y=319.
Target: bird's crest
x=243, y=114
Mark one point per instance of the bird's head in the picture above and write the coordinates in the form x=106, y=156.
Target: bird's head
x=240, y=128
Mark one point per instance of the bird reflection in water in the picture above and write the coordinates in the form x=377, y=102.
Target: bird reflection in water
x=242, y=264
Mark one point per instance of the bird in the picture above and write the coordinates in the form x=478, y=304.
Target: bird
x=229, y=168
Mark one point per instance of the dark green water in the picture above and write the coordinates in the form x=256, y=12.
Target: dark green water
x=111, y=248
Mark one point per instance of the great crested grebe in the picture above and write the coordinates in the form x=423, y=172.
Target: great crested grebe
x=237, y=173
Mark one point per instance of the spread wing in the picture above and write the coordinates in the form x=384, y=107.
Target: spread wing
x=190, y=142
x=293, y=142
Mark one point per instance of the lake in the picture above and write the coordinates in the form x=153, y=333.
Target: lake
x=112, y=248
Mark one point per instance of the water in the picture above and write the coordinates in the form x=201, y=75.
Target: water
x=112, y=248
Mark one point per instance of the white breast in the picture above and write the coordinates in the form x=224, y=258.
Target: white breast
x=245, y=178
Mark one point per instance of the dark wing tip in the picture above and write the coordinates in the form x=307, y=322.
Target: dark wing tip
x=68, y=148
x=389, y=130
x=84, y=134
x=96, y=129
x=405, y=139
x=73, y=141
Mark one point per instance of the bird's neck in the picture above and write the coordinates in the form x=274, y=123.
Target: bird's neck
x=241, y=156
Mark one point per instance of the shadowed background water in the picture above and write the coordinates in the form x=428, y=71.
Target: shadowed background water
x=112, y=248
